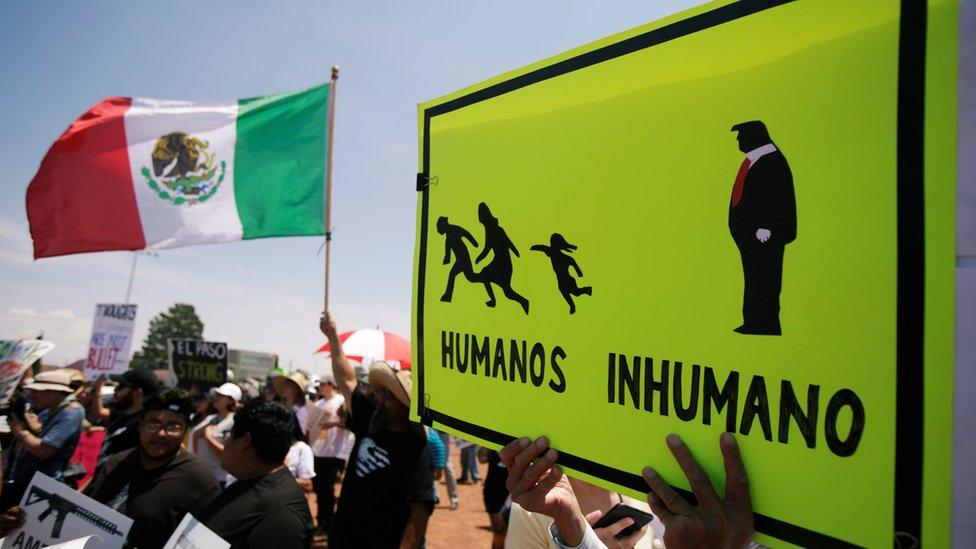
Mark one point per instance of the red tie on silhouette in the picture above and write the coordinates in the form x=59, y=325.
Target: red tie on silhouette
x=740, y=180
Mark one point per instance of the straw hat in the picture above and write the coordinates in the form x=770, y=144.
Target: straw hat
x=295, y=377
x=397, y=383
x=53, y=380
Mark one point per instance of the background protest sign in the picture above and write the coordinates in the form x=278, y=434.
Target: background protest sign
x=200, y=364
x=600, y=261
x=15, y=358
x=56, y=513
x=111, y=340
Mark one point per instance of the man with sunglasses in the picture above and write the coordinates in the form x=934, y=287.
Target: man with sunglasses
x=122, y=431
x=390, y=472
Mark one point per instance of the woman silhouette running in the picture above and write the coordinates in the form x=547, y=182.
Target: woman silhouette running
x=499, y=269
x=561, y=264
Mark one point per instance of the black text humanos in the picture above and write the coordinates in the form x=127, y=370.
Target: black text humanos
x=509, y=359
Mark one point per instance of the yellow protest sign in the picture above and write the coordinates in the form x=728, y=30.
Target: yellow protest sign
x=739, y=218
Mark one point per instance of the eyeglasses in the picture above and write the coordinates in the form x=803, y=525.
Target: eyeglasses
x=171, y=428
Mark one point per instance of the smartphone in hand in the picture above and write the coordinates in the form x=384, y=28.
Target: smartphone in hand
x=622, y=511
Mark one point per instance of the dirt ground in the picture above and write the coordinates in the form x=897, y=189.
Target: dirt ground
x=467, y=526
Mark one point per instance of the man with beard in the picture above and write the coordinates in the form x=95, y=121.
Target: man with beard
x=122, y=430
x=155, y=484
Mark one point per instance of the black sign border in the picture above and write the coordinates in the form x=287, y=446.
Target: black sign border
x=910, y=327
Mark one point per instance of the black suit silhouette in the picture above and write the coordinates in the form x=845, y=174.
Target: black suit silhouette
x=766, y=201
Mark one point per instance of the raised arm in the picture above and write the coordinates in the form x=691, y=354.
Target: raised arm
x=447, y=251
x=466, y=234
x=511, y=246
x=345, y=377
x=575, y=266
x=484, y=251
x=98, y=409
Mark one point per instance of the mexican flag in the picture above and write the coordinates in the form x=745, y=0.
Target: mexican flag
x=133, y=174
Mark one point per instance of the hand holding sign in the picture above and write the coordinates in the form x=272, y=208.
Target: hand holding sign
x=538, y=486
x=714, y=522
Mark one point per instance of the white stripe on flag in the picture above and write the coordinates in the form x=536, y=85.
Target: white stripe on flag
x=165, y=224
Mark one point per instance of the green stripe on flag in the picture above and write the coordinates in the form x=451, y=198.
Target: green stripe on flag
x=279, y=163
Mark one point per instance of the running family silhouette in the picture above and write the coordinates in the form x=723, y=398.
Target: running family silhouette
x=498, y=271
x=561, y=263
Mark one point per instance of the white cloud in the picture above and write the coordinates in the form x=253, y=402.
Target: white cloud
x=15, y=243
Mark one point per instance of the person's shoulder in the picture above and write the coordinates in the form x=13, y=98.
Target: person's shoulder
x=115, y=460
x=190, y=462
x=194, y=470
x=74, y=412
x=279, y=489
x=282, y=526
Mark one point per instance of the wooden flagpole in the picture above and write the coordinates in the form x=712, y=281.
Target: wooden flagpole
x=328, y=178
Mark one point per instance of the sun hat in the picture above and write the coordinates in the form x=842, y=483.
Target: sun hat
x=280, y=381
x=53, y=380
x=382, y=375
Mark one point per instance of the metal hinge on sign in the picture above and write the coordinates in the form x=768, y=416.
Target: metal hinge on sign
x=424, y=181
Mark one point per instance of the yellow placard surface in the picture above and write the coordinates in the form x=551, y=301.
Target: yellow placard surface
x=738, y=218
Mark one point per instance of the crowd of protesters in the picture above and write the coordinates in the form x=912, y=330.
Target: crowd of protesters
x=259, y=466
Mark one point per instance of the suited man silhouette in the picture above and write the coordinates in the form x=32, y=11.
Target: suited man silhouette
x=762, y=221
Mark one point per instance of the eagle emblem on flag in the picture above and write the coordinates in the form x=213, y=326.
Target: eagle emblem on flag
x=186, y=170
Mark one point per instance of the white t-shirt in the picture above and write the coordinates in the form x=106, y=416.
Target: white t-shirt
x=531, y=530
x=299, y=460
x=336, y=442
x=204, y=451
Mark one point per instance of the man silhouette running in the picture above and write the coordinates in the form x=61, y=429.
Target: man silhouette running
x=762, y=221
x=561, y=263
x=499, y=269
x=454, y=236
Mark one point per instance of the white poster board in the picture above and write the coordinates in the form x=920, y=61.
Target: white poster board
x=192, y=534
x=56, y=514
x=111, y=339
x=15, y=358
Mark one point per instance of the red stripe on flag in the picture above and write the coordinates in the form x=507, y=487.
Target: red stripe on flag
x=82, y=199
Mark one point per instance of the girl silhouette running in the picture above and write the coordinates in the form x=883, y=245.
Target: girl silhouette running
x=454, y=236
x=499, y=269
x=561, y=263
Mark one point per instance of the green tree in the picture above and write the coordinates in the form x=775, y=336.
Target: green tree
x=179, y=322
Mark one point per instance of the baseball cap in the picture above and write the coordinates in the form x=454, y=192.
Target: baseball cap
x=141, y=378
x=231, y=390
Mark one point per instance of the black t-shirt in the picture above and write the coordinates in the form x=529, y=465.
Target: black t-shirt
x=268, y=512
x=122, y=433
x=387, y=471
x=155, y=499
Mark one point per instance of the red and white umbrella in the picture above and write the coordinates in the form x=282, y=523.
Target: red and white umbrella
x=366, y=346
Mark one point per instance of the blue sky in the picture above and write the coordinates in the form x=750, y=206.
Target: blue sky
x=57, y=59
